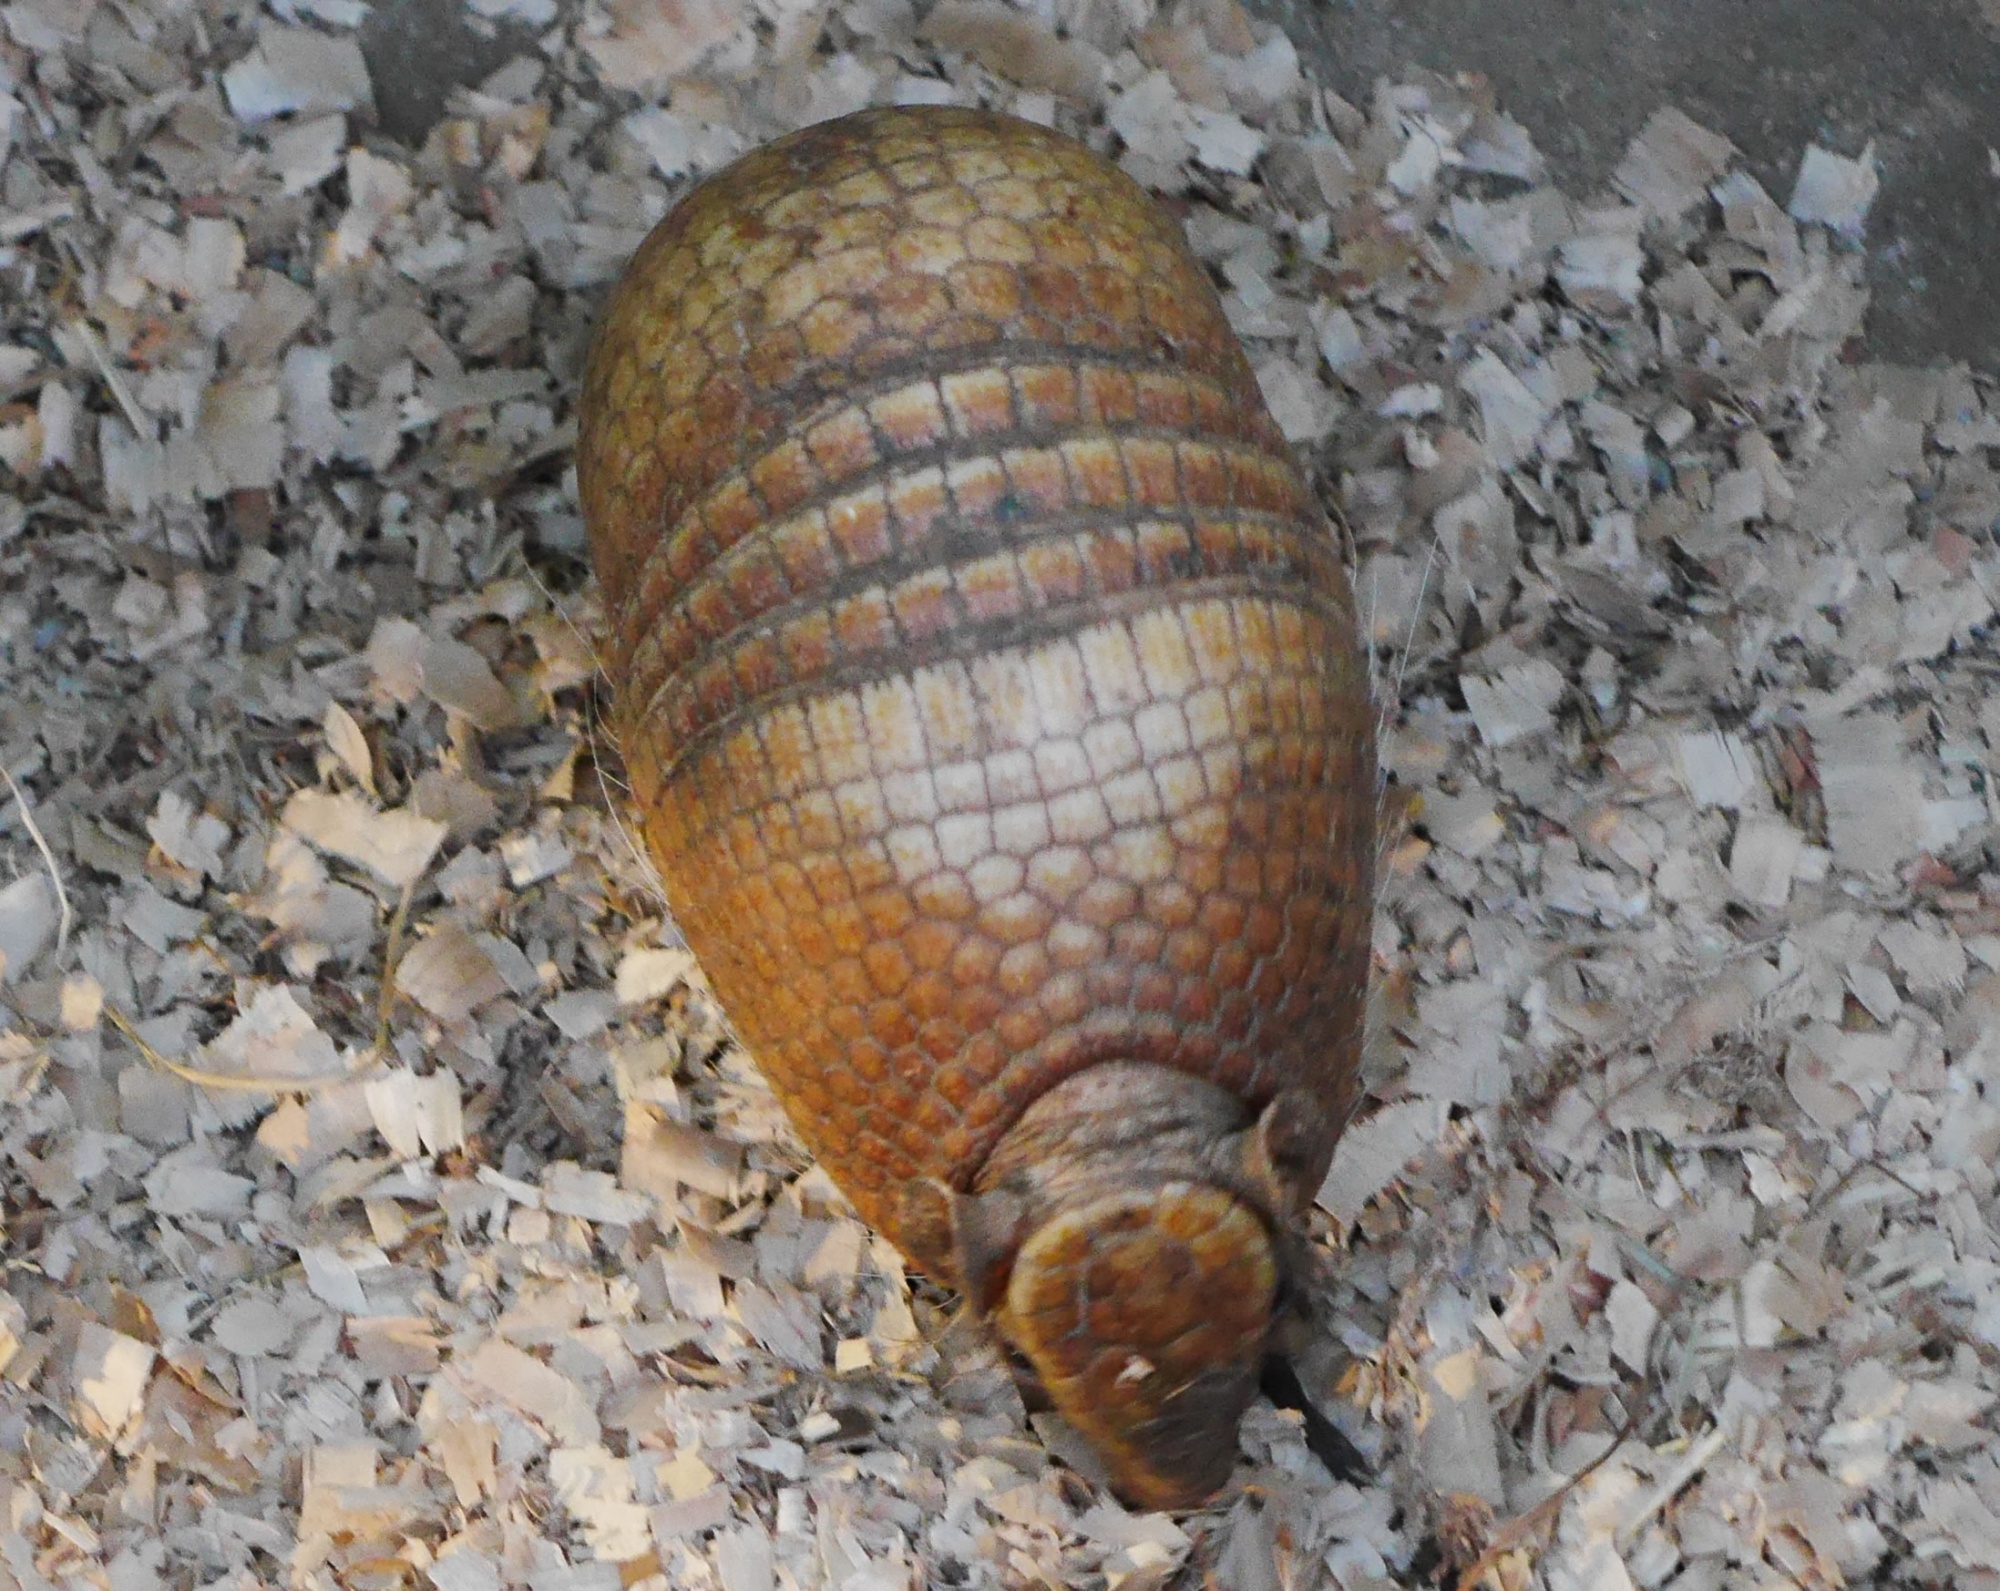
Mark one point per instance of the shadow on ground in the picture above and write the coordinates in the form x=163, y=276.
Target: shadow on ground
x=418, y=51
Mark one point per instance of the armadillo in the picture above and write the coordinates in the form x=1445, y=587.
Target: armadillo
x=991, y=695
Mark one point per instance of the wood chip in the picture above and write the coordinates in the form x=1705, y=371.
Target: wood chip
x=1835, y=192
x=395, y=845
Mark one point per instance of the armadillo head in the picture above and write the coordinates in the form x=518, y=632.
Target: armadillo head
x=1127, y=1240
x=1145, y=1316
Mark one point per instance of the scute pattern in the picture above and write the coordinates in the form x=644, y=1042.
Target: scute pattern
x=988, y=683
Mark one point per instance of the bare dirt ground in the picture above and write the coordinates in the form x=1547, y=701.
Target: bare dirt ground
x=385, y=1202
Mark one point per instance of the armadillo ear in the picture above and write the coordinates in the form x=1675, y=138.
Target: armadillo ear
x=1278, y=1152
x=987, y=1230
x=965, y=1240
x=924, y=1229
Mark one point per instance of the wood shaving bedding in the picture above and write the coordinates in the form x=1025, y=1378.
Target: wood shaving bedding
x=1663, y=1252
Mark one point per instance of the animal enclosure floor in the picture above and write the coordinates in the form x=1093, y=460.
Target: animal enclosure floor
x=385, y=1203
x=1917, y=82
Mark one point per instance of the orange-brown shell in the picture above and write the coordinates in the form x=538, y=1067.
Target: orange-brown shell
x=987, y=678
